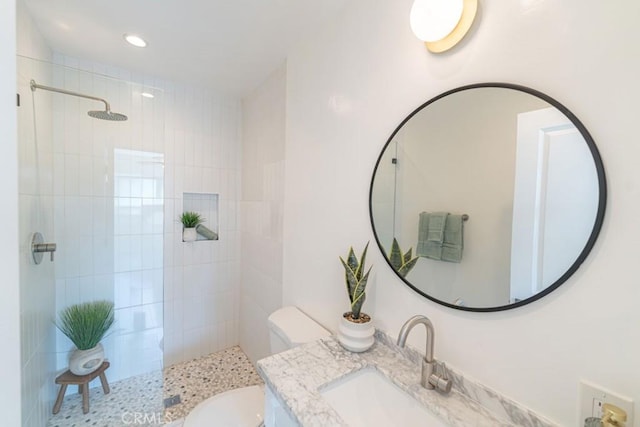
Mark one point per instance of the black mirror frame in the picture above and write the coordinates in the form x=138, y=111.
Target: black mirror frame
x=602, y=197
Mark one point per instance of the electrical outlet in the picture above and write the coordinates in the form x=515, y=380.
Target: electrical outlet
x=592, y=397
x=596, y=407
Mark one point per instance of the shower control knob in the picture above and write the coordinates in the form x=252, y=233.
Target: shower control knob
x=38, y=248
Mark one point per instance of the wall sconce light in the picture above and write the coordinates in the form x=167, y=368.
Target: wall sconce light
x=441, y=24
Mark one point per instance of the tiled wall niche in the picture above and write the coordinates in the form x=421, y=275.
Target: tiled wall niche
x=205, y=204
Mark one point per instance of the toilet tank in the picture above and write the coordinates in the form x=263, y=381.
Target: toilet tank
x=289, y=327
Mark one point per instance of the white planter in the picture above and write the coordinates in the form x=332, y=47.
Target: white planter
x=84, y=362
x=356, y=337
x=189, y=234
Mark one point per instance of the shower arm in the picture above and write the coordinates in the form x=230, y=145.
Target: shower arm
x=35, y=86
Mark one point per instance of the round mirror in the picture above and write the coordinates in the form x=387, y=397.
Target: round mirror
x=487, y=197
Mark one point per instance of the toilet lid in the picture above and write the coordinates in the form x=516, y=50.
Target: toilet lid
x=295, y=327
x=242, y=407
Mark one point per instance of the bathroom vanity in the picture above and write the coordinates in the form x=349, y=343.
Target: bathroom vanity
x=306, y=386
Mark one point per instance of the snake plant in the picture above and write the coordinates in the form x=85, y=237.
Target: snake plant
x=402, y=263
x=356, y=280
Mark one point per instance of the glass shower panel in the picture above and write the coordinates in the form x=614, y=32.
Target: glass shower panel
x=138, y=253
x=37, y=283
x=108, y=204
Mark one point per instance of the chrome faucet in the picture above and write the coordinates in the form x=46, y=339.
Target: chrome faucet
x=431, y=379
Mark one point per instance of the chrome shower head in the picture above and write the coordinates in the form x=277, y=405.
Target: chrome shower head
x=107, y=115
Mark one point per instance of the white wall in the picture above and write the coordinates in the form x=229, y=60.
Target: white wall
x=10, y=400
x=351, y=85
x=263, y=142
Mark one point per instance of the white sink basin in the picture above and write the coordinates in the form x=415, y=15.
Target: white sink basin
x=368, y=398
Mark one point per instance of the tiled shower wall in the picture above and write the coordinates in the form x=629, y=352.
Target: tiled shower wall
x=193, y=136
x=180, y=297
x=117, y=193
x=108, y=200
x=202, y=148
x=37, y=288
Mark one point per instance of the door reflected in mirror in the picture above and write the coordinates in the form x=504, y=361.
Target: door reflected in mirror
x=522, y=168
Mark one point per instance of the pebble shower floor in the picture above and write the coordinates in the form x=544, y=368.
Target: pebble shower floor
x=138, y=401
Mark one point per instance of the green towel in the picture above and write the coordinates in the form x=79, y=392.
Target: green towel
x=437, y=223
x=426, y=248
x=452, y=244
x=450, y=248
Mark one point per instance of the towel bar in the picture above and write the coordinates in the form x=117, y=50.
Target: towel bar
x=465, y=217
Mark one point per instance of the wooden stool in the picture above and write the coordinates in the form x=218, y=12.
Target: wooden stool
x=82, y=381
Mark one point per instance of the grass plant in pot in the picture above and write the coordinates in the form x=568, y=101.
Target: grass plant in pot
x=85, y=325
x=355, y=332
x=190, y=221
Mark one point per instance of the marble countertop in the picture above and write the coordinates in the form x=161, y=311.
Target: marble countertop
x=297, y=376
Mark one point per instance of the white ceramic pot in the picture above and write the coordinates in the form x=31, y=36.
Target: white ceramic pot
x=356, y=337
x=84, y=362
x=189, y=234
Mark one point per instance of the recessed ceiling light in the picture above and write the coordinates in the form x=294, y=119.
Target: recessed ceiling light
x=147, y=95
x=137, y=41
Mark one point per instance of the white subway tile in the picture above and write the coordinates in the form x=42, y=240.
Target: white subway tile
x=103, y=286
x=202, y=133
x=71, y=174
x=84, y=255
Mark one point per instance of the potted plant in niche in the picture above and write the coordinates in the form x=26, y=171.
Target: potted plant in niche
x=190, y=221
x=355, y=332
x=85, y=325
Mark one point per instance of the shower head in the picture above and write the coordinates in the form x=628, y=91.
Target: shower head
x=105, y=114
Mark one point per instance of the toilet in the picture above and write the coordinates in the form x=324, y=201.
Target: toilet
x=244, y=407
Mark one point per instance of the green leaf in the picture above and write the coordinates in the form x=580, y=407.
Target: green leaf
x=355, y=281
x=190, y=219
x=352, y=261
x=356, y=307
x=359, y=296
x=87, y=323
x=395, y=256
x=406, y=268
x=402, y=264
x=351, y=280
x=407, y=256
x=363, y=259
x=360, y=286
